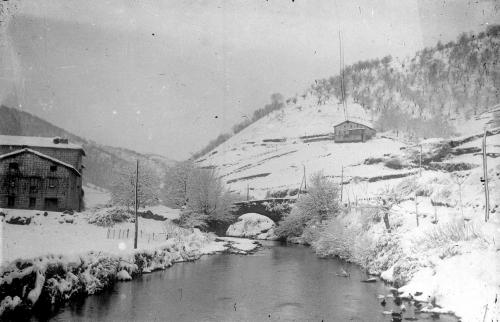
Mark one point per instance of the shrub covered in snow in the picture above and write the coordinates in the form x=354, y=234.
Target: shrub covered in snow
x=107, y=217
x=52, y=280
x=450, y=233
x=394, y=163
x=318, y=204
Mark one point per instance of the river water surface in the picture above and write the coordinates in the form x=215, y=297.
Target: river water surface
x=277, y=283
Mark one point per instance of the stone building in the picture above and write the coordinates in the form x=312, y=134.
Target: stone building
x=349, y=131
x=40, y=173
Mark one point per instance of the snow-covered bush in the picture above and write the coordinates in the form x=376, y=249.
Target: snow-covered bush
x=448, y=233
x=394, y=163
x=292, y=225
x=319, y=204
x=335, y=240
x=107, y=217
x=387, y=252
x=404, y=270
x=277, y=207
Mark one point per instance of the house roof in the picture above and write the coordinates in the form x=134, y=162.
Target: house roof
x=37, y=141
x=41, y=155
x=358, y=123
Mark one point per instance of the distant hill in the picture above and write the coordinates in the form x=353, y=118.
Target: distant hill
x=102, y=163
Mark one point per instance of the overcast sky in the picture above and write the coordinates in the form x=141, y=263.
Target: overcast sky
x=168, y=76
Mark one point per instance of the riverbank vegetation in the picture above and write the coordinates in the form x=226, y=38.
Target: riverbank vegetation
x=50, y=280
x=320, y=203
x=411, y=248
x=208, y=201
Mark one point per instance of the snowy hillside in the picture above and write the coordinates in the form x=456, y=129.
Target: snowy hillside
x=269, y=158
x=270, y=155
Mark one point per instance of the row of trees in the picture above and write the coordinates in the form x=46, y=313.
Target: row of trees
x=200, y=193
x=459, y=78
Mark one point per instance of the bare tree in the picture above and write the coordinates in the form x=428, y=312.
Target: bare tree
x=123, y=188
x=176, y=184
x=388, y=198
x=208, y=200
x=459, y=178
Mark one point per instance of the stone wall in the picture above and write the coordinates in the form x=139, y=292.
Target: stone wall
x=34, y=178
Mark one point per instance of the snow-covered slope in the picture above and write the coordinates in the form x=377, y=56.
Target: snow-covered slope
x=273, y=153
x=271, y=156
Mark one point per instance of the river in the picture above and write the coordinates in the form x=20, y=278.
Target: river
x=277, y=283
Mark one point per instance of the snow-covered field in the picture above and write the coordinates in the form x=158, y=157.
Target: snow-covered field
x=57, y=256
x=52, y=234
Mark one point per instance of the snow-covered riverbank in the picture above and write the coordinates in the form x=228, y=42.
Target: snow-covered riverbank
x=52, y=259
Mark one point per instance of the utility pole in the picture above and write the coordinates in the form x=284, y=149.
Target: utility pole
x=136, y=203
x=416, y=208
x=485, y=176
x=248, y=192
x=420, y=161
x=341, y=184
x=305, y=182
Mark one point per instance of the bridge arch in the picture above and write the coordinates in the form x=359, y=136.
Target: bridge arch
x=274, y=208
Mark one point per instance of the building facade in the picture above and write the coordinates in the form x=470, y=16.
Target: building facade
x=349, y=131
x=40, y=173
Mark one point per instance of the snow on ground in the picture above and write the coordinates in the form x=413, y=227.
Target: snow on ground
x=241, y=245
x=59, y=256
x=252, y=225
x=54, y=234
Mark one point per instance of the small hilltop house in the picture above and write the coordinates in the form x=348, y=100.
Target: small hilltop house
x=350, y=131
x=40, y=173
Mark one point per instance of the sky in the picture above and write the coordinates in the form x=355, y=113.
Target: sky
x=166, y=77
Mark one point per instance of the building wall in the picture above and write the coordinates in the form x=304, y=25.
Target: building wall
x=352, y=132
x=70, y=156
x=34, y=179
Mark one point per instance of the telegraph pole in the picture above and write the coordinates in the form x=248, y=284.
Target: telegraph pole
x=420, y=161
x=305, y=182
x=416, y=207
x=341, y=184
x=136, y=203
x=485, y=176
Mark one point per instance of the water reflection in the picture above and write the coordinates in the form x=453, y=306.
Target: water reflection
x=278, y=283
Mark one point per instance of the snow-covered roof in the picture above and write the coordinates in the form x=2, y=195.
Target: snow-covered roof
x=37, y=141
x=358, y=123
x=41, y=155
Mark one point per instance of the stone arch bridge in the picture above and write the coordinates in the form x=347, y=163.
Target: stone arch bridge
x=274, y=208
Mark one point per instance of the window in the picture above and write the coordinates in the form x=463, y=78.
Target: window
x=13, y=166
x=52, y=182
x=32, y=203
x=34, y=184
x=11, y=201
x=53, y=168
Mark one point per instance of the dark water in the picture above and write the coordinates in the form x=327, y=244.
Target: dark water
x=278, y=283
